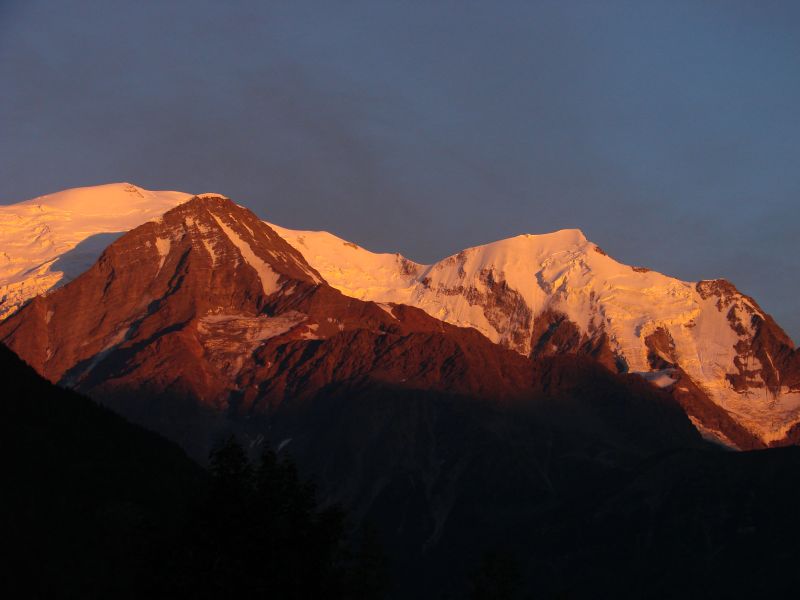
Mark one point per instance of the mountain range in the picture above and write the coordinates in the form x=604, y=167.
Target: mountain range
x=720, y=356
x=532, y=396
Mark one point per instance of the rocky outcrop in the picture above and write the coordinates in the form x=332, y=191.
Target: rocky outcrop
x=661, y=350
x=554, y=334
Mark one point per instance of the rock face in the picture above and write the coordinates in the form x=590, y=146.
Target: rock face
x=543, y=295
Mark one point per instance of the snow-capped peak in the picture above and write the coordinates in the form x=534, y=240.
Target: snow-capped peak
x=211, y=196
x=536, y=294
x=560, y=292
x=560, y=237
x=51, y=239
x=106, y=200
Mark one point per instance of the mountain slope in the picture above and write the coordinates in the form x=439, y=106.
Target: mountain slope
x=95, y=507
x=206, y=322
x=207, y=312
x=52, y=239
x=577, y=520
x=86, y=495
x=724, y=359
x=354, y=271
x=556, y=293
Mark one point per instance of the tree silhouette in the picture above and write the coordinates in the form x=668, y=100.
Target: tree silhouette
x=497, y=578
x=369, y=575
x=259, y=531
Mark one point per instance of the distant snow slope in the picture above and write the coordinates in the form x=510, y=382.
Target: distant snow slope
x=517, y=291
x=353, y=270
x=47, y=241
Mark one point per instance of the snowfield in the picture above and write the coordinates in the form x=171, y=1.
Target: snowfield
x=47, y=241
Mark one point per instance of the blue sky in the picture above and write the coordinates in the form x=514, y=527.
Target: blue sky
x=667, y=131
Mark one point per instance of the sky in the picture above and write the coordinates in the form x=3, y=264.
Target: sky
x=669, y=132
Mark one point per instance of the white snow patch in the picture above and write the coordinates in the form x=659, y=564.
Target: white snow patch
x=387, y=308
x=662, y=379
x=250, y=328
x=209, y=246
x=112, y=344
x=162, y=247
x=712, y=435
x=229, y=339
x=268, y=277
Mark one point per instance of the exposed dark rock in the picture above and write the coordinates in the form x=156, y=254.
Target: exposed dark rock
x=553, y=334
x=765, y=353
x=660, y=350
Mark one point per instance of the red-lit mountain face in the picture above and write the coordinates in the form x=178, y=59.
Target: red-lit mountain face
x=730, y=366
x=208, y=314
x=199, y=302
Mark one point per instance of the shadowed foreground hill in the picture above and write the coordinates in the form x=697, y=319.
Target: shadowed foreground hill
x=85, y=493
x=563, y=489
x=685, y=524
x=95, y=507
